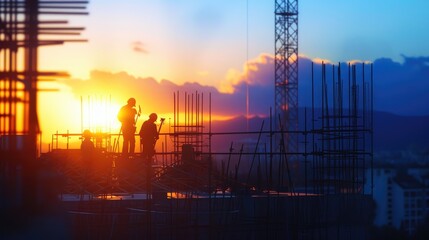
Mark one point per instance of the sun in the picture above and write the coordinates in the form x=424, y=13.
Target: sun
x=99, y=114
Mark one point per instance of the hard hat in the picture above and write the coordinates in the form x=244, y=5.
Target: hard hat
x=131, y=100
x=86, y=133
x=153, y=116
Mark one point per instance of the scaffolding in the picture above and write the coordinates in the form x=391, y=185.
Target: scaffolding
x=188, y=124
x=22, y=32
x=342, y=128
x=202, y=191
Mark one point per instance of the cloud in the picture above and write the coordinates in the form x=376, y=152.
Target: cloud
x=139, y=47
x=319, y=60
x=402, y=88
x=256, y=72
x=153, y=95
x=399, y=88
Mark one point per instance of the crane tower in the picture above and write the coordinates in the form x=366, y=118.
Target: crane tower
x=286, y=71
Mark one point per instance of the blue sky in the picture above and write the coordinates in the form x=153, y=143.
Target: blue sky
x=364, y=29
x=194, y=40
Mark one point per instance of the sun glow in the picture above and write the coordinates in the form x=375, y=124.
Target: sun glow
x=62, y=112
x=99, y=114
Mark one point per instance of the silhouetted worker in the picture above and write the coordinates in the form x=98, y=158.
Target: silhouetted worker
x=87, y=146
x=148, y=137
x=88, y=154
x=126, y=116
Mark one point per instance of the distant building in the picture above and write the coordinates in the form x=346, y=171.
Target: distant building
x=401, y=196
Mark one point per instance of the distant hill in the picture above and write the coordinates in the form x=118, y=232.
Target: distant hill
x=391, y=132
x=394, y=132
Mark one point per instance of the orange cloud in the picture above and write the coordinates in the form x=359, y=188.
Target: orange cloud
x=138, y=47
x=250, y=74
x=316, y=60
x=352, y=62
x=321, y=60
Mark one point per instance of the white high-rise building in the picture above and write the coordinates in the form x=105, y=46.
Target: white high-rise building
x=401, y=196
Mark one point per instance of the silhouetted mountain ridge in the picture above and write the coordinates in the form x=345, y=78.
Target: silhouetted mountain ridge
x=396, y=132
x=391, y=132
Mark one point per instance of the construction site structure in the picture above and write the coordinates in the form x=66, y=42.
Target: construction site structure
x=206, y=182
x=201, y=183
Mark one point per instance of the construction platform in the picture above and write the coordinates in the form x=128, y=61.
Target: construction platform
x=121, y=198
